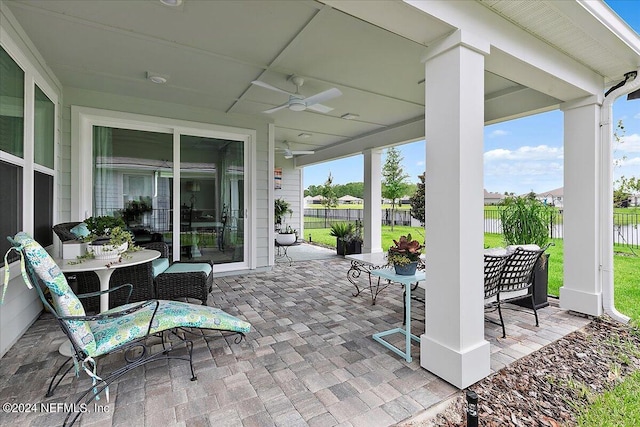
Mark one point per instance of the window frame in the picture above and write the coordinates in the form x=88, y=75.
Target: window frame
x=32, y=77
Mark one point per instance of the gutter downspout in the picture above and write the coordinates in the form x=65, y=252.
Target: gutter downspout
x=630, y=84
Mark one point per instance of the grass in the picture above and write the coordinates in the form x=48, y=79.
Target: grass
x=616, y=408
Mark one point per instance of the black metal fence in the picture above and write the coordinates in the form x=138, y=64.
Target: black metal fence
x=625, y=226
x=325, y=218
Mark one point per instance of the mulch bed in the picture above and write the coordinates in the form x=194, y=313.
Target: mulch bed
x=545, y=387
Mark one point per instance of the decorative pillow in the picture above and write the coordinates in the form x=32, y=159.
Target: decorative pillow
x=80, y=230
x=530, y=247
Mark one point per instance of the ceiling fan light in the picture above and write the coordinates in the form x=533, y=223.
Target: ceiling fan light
x=171, y=3
x=297, y=105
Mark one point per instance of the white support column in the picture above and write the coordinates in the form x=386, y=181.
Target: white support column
x=453, y=346
x=582, y=287
x=372, y=201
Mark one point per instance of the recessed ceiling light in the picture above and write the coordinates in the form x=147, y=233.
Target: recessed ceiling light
x=349, y=116
x=304, y=135
x=171, y=3
x=157, y=78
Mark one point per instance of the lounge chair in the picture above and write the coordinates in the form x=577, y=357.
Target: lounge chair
x=123, y=328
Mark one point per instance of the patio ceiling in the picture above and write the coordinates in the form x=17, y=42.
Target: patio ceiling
x=212, y=50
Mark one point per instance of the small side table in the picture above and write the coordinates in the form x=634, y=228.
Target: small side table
x=390, y=275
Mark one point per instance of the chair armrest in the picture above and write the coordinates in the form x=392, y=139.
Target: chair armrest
x=95, y=294
x=114, y=315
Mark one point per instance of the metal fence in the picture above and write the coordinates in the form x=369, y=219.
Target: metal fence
x=325, y=218
x=625, y=226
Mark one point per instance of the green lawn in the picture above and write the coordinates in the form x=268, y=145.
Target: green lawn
x=618, y=407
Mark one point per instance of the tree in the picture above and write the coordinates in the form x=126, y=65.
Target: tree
x=418, y=201
x=327, y=191
x=394, y=184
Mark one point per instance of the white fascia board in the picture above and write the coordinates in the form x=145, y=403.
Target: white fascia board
x=541, y=60
x=412, y=130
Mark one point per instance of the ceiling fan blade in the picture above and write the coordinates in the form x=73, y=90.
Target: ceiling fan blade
x=278, y=108
x=322, y=96
x=268, y=86
x=296, y=152
x=319, y=108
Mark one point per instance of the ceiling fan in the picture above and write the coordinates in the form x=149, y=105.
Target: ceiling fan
x=297, y=102
x=289, y=153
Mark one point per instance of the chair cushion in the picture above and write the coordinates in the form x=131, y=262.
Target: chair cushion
x=80, y=230
x=112, y=333
x=189, y=267
x=159, y=265
x=65, y=302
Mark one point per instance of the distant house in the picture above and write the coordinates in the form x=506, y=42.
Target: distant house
x=350, y=200
x=492, y=198
x=313, y=200
x=552, y=197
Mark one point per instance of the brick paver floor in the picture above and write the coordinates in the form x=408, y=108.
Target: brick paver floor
x=309, y=360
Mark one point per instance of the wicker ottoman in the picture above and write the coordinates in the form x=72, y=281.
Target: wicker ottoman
x=186, y=280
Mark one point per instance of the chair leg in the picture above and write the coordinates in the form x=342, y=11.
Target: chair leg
x=535, y=312
x=504, y=332
x=53, y=387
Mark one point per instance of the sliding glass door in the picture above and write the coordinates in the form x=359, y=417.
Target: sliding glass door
x=201, y=215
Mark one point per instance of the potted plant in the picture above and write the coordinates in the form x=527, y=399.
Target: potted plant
x=405, y=255
x=525, y=221
x=287, y=236
x=341, y=230
x=108, y=238
x=281, y=208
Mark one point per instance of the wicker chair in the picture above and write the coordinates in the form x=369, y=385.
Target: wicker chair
x=63, y=231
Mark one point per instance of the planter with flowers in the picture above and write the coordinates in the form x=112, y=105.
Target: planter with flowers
x=405, y=255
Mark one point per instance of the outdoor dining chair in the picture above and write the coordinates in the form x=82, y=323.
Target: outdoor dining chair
x=122, y=329
x=516, y=279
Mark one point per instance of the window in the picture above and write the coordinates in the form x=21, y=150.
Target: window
x=43, y=209
x=11, y=202
x=11, y=148
x=43, y=129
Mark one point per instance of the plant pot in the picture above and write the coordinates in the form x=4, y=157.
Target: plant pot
x=540, y=286
x=285, y=239
x=107, y=252
x=406, y=270
x=348, y=248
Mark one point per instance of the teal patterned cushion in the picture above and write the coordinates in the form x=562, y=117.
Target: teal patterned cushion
x=65, y=301
x=112, y=333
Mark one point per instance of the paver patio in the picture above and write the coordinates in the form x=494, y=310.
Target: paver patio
x=309, y=360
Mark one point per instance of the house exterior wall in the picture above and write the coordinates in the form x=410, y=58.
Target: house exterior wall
x=21, y=306
x=291, y=191
x=105, y=101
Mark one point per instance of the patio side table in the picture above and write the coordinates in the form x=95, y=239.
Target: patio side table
x=366, y=263
x=390, y=275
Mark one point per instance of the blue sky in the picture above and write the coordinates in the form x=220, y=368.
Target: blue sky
x=520, y=155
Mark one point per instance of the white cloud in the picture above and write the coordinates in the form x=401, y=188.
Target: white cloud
x=629, y=144
x=525, y=153
x=420, y=163
x=498, y=132
x=637, y=116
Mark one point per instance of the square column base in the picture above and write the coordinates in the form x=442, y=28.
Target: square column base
x=459, y=369
x=580, y=301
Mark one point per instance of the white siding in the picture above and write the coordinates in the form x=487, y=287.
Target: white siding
x=291, y=192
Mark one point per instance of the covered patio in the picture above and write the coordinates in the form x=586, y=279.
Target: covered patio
x=309, y=360
x=206, y=80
